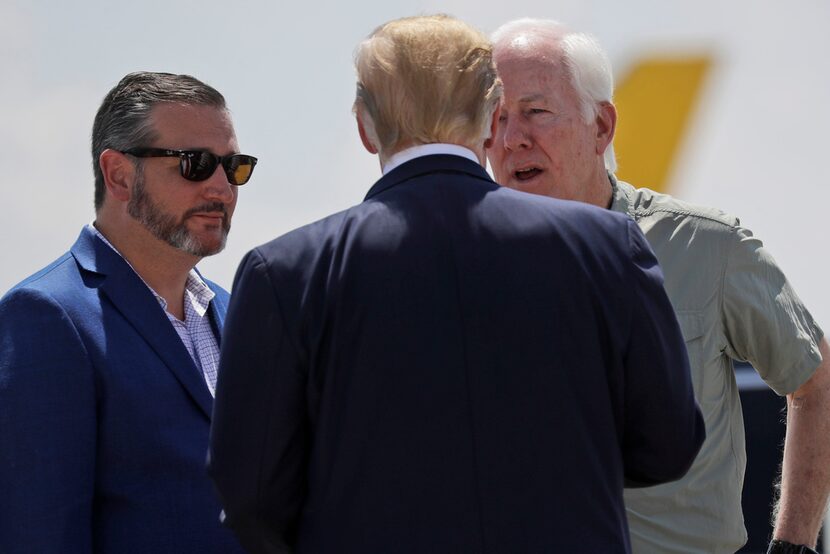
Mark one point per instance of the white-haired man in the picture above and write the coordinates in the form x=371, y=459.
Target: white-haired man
x=733, y=302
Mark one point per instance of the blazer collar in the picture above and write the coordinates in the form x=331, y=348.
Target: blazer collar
x=133, y=299
x=435, y=163
x=218, y=308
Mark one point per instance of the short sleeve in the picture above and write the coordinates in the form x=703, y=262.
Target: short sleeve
x=765, y=322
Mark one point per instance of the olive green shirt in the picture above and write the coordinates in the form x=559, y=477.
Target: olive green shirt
x=733, y=303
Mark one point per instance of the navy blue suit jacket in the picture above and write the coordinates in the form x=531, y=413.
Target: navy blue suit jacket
x=104, y=417
x=449, y=366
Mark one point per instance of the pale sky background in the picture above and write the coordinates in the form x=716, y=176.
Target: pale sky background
x=757, y=146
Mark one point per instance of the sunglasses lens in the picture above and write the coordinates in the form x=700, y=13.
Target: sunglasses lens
x=198, y=166
x=239, y=168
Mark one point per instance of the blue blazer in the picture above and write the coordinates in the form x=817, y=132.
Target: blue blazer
x=104, y=417
x=449, y=367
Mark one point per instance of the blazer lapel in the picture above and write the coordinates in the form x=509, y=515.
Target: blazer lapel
x=218, y=308
x=134, y=301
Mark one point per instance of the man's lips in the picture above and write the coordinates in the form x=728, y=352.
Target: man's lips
x=526, y=174
x=213, y=215
x=210, y=219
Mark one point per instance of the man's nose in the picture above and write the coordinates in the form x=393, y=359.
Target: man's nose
x=515, y=134
x=218, y=188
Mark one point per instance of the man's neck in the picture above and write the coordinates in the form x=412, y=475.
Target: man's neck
x=163, y=267
x=601, y=193
x=612, y=183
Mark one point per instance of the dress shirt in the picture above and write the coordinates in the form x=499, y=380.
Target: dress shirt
x=195, y=332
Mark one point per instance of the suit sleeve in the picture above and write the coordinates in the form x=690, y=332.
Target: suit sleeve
x=664, y=428
x=259, y=435
x=47, y=428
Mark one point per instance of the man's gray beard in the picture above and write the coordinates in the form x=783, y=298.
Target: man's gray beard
x=165, y=227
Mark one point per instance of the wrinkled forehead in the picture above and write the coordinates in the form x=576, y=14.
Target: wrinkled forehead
x=530, y=67
x=542, y=46
x=530, y=74
x=532, y=59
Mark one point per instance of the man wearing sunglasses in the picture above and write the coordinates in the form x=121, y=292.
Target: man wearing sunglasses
x=108, y=356
x=445, y=367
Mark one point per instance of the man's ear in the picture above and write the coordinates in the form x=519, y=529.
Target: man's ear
x=606, y=126
x=494, y=125
x=119, y=173
x=361, y=129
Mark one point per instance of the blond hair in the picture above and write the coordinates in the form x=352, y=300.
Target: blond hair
x=424, y=80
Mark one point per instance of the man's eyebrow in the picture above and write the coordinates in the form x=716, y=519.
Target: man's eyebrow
x=531, y=98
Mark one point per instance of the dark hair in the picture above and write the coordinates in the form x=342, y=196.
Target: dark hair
x=123, y=120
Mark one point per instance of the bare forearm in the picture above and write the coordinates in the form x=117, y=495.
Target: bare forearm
x=805, y=472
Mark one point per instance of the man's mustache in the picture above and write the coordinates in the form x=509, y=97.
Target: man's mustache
x=208, y=208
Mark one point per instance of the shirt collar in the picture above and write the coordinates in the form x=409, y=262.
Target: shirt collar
x=196, y=291
x=408, y=154
x=620, y=195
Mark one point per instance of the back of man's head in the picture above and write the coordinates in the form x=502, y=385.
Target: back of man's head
x=123, y=120
x=423, y=80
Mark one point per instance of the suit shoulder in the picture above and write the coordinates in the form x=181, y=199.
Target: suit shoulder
x=307, y=235
x=583, y=230
x=40, y=302
x=535, y=213
x=567, y=208
x=51, y=279
x=573, y=213
x=314, y=241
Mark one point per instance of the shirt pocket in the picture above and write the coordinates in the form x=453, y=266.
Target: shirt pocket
x=692, y=328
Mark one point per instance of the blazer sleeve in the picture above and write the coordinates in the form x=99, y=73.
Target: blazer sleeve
x=259, y=435
x=47, y=428
x=664, y=428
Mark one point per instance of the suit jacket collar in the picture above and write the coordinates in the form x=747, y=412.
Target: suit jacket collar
x=218, y=309
x=133, y=299
x=446, y=163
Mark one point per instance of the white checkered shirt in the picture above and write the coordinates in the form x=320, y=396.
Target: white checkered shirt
x=195, y=331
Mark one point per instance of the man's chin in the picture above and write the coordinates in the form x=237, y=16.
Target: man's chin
x=205, y=239
x=205, y=251
x=200, y=246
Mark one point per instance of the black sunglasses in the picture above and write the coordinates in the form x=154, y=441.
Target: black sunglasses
x=199, y=165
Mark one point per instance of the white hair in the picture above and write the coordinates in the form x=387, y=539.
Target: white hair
x=584, y=61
